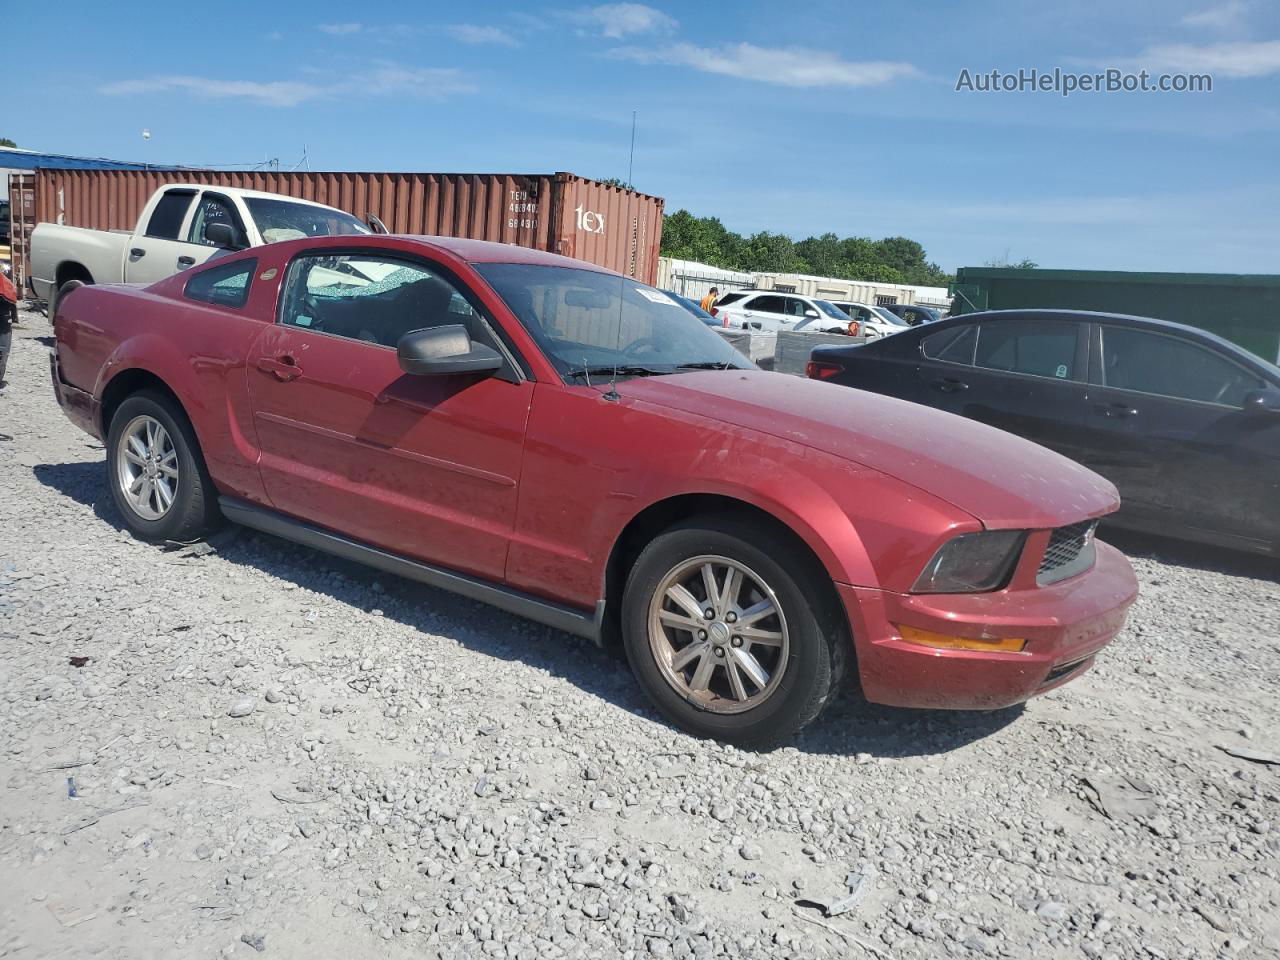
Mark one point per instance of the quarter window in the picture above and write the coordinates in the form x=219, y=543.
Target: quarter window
x=225, y=286
x=1042, y=348
x=953, y=346
x=374, y=299
x=1172, y=367
x=166, y=218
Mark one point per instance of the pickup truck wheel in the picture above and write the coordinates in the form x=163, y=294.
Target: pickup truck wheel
x=156, y=473
x=724, y=638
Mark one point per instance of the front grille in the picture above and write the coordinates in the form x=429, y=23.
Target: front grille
x=1070, y=551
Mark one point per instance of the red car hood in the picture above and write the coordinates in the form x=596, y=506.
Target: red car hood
x=1001, y=479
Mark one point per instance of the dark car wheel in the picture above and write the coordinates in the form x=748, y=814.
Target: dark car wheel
x=727, y=635
x=155, y=471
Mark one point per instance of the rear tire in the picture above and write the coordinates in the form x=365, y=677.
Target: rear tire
x=776, y=633
x=156, y=472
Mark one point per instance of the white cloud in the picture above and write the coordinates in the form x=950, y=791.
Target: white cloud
x=784, y=66
x=1225, y=16
x=1238, y=59
x=478, y=35
x=340, y=29
x=619, y=20
x=430, y=83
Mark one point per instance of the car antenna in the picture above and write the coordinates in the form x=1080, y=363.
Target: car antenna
x=613, y=395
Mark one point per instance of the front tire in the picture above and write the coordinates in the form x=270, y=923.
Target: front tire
x=155, y=470
x=727, y=635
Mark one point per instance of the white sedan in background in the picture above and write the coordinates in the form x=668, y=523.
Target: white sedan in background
x=769, y=310
x=873, y=322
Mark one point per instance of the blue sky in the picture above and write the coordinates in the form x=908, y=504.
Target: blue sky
x=800, y=118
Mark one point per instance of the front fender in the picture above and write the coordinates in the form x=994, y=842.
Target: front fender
x=865, y=528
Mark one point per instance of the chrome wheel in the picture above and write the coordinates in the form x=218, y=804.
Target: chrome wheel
x=718, y=634
x=147, y=467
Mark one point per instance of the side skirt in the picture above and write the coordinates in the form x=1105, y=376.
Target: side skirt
x=577, y=622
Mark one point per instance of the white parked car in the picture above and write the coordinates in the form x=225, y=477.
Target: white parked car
x=773, y=311
x=183, y=224
x=873, y=322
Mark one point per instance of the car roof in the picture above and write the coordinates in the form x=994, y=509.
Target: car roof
x=1084, y=316
x=487, y=251
x=242, y=192
x=1096, y=316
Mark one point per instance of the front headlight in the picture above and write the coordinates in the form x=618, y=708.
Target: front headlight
x=972, y=563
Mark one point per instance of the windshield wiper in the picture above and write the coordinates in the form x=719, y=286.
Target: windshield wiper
x=707, y=365
x=622, y=370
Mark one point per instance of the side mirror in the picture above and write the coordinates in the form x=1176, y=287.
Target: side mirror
x=811, y=314
x=1262, y=402
x=221, y=235
x=441, y=351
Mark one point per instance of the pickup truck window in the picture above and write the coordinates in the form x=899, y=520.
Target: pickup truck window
x=171, y=210
x=225, y=286
x=213, y=208
x=279, y=220
x=374, y=299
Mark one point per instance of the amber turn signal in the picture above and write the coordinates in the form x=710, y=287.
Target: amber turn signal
x=927, y=638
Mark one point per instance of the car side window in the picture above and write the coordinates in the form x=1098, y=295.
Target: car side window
x=224, y=286
x=794, y=307
x=952, y=346
x=374, y=298
x=728, y=298
x=1172, y=367
x=166, y=218
x=212, y=208
x=765, y=304
x=1042, y=348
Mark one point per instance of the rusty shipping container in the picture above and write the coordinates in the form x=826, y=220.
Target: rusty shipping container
x=561, y=213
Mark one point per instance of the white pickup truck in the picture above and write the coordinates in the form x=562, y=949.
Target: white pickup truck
x=182, y=224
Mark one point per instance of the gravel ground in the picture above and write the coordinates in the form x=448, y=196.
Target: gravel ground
x=275, y=751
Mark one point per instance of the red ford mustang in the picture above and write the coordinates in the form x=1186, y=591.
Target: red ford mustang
x=573, y=446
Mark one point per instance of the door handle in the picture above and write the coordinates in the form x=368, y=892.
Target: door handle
x=950, y=384
x=282, y=369
x=185, y=261
x=137, y=252
x=1117, y=410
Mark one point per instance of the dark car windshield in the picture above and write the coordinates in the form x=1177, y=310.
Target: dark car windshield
x=279, y=220
x=584, y=320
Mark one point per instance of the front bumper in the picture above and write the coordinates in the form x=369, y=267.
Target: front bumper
x=80, y=406
x=1065, y=625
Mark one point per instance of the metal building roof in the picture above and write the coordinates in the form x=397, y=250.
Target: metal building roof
x=14, y=158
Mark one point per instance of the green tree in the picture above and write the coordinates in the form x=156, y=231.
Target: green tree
x=891, y=260
x=822, y=254
x=6, y=142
